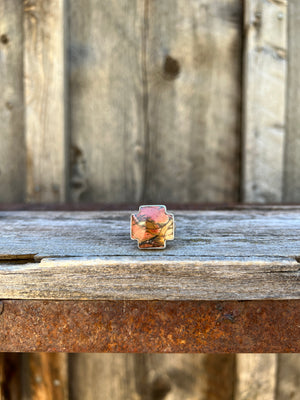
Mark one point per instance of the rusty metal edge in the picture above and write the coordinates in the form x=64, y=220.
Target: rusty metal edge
x=269, y=326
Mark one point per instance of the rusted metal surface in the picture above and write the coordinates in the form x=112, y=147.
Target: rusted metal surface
x=150, y=326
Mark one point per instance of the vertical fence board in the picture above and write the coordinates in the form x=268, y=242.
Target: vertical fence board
x=192, y=67
x=45, y=376
x=103, y=376
x=12, y=152
x=193, y=376
x=256, y=377
x=45, y=100
x=155, y=93
x=106, y=100
x=172, y=377
x=220, y=372
x=264, y=99
x=10, y=376
x=288, y=384
x=149, y=377
x=292, y=145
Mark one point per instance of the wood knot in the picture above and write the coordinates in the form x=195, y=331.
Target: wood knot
x=4, y=39
x=161, y=386
x=9, y=105
x=171, y=68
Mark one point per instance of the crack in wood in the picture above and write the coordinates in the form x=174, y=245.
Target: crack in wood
x=145, y=100
x=19, y=258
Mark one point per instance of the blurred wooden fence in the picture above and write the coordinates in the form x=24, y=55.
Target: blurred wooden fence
x=150, y=101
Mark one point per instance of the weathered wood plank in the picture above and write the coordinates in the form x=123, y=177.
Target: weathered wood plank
x=292, y=143
x=260, y=234
x=220, y=375
x=44, y=86
x=288, y=377
x=104, y=376
x=173, y=376
x=174, y=137
x=216, y=255
x=192, y=106
x=176, y=376
x=12, y=152
x=164, y=280
x=265, y=68
x=45, y=376
x=106, y=100
x=256, y=377
x=10, y=376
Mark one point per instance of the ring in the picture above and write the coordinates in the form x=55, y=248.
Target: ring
x=152, y=226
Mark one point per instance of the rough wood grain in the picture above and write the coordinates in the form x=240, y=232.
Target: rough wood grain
x=216, y=255
x=45, y=376
x=105, y=376
x=256, y=377
x=192, y=100
x=172, y=377
x=264, y=100
x=292, y=143
x=44, y=83
x=198, y=376
x=220, y=374
x=260, y=234
x=118, y=279
x=12, y=152
x=10, y=376
x=134, y=70
x=288, y=378
x=147, y=377
x=106, y=100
